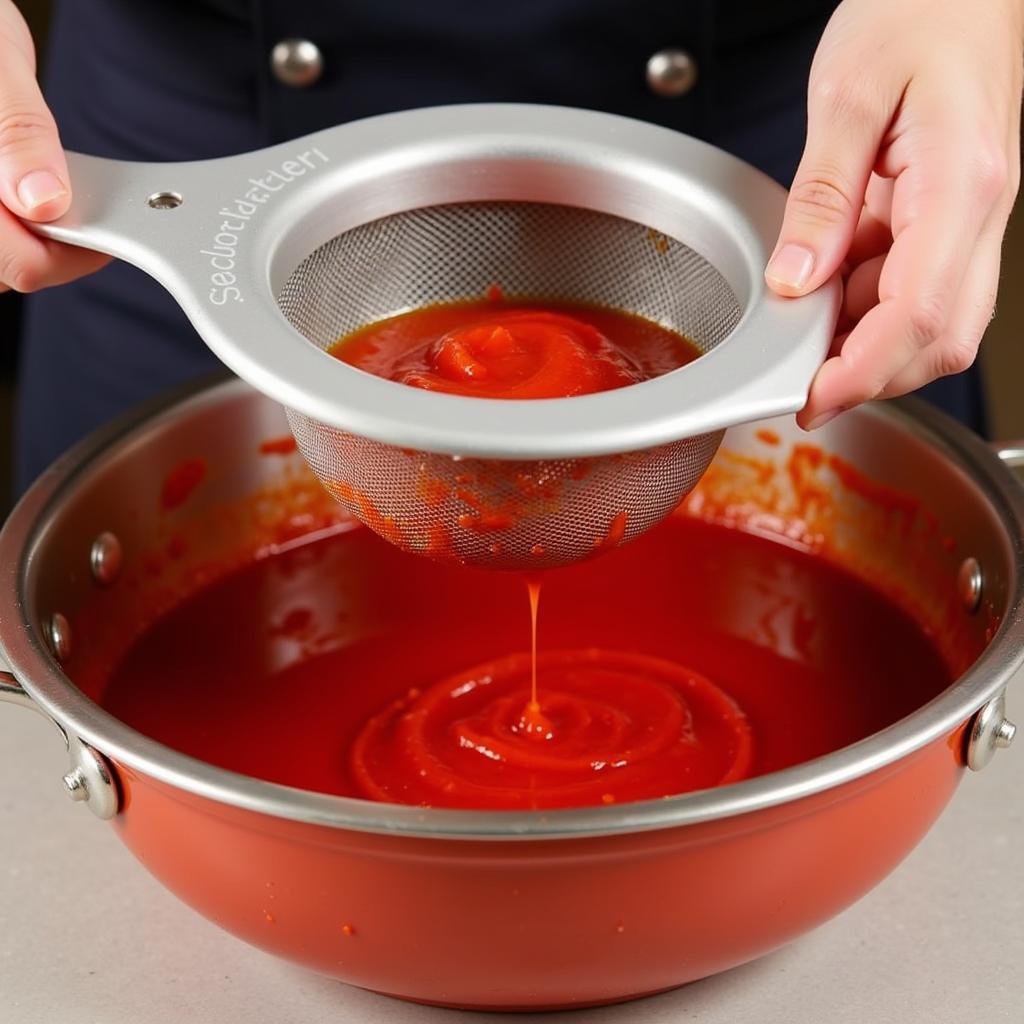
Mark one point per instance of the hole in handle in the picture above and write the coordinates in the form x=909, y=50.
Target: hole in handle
x=165, y=200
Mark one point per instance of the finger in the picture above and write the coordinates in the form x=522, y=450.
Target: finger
x=845, y=127
x=837, y=343
x=956, y=349
x=878, y=198
x=939, y=209
x=975, y=308
x=872, y=237
x=33, y=172
x=28, y=262
x=861, y=293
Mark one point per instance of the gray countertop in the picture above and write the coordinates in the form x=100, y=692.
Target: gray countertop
x=88, y=937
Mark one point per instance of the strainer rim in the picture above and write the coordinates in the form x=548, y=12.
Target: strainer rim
x=769, y=357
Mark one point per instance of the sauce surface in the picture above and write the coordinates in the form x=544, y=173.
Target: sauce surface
x=695, y=656
x=609, y=726
x=497, y=349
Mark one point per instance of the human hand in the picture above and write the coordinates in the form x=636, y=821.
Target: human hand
x=33, y=173
x=908, y=177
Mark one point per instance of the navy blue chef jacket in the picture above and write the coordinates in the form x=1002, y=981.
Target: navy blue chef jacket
x=155, y=80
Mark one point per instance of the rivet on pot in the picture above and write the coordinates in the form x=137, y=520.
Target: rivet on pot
x=105, y=558
x=58, y=633
x=91, y=780
x=970, y=583
x=990, y=731
x=1004, y=734
x=75, y=784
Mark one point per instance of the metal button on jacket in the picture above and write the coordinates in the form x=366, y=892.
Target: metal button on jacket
x=671, y=72
x=296, y=62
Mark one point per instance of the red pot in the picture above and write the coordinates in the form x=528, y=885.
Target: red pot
x=508, y=910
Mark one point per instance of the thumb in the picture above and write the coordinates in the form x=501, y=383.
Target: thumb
x=825, y=200
x=33, y=172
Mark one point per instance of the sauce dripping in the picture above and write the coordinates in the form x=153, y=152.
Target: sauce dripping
x=533, y=721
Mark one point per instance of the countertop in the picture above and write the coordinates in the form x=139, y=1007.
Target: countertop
x=88, y=937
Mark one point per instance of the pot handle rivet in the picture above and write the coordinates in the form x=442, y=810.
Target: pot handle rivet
x=90, y=779
x=990, y=731
x=970, y=583
x=76, y=785
x=1005, y=733
x=105, y=558
x=58, y=636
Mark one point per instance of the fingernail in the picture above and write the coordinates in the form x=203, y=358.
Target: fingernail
x=39, y=187
x=825, y=417
x=791, y=266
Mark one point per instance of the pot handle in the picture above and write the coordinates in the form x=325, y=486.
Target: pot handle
x=12, y=693
x=89, y=778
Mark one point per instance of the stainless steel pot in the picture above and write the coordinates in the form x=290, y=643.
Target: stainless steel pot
x=686, y=873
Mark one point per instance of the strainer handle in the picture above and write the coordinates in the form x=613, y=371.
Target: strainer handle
x=182, y=223
x=122, y=208
x=206, y=230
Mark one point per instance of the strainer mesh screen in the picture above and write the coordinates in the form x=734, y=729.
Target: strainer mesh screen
x=504, y=513
x=540, y=250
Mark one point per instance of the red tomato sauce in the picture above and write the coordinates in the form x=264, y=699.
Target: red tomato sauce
x=610, y=726
x=279, y=446
x=181, y=482
x=503, y=349
x=697, y=655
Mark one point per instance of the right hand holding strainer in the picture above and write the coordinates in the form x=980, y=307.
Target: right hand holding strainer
x=907, y=181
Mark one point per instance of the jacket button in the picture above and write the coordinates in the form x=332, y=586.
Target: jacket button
x=671, y=73
x=296, y=62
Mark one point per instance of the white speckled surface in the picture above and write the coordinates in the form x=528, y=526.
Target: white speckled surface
x=87, y=937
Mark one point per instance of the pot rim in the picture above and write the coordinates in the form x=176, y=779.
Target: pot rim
x=23, y=648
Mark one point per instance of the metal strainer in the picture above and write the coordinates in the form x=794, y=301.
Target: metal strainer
x=274, y=255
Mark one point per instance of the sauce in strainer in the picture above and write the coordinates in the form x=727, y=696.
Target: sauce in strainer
x=494, y=348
